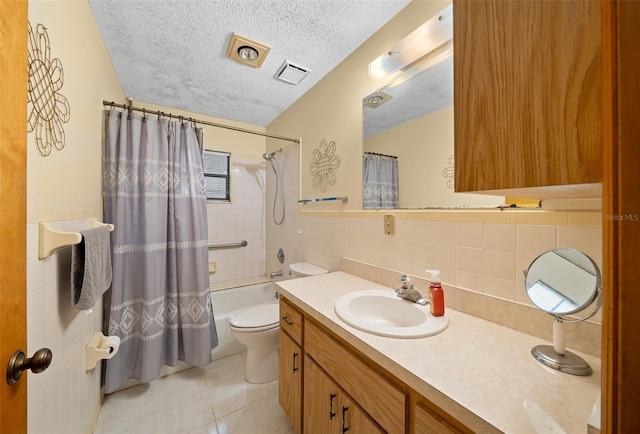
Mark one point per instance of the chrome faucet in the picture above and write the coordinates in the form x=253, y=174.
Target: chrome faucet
x=407, y=292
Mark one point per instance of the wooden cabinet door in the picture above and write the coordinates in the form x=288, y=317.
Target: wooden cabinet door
x=354, y=420
x=528, y=97
x=321, y=401
x=327, y=408
x=290, y=384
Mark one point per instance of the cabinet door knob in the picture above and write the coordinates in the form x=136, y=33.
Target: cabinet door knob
x=287, y=320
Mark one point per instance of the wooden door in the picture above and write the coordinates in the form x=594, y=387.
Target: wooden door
x=621, y=214
x=290, y=384
x=13, y=177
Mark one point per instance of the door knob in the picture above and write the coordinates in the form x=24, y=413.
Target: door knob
x=19, y=362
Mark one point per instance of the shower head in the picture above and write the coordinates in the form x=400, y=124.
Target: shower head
x=271, y=155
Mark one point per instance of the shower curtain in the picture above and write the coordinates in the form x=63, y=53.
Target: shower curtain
x=380, y=181
x=154, y=194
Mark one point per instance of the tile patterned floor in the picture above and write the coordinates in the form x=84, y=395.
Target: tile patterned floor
x=210, y=400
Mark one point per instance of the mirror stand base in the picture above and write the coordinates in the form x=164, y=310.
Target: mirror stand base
x=569, y=363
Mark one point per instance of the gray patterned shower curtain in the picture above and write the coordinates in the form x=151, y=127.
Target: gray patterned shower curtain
x=379, y=181
x=154, y=194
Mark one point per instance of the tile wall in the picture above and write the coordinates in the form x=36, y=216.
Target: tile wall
x=65, y=397
x=242, y=219
x=479, y=252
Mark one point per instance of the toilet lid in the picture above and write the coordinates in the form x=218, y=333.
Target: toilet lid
x=257, y=316
x=306, y=269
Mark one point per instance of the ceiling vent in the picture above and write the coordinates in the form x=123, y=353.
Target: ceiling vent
x=244, y=50
x=291, y=73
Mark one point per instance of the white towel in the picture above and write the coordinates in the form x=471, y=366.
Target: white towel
x=90, y=267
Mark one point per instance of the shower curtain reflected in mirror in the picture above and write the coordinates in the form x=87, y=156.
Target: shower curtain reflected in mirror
x=380, y=181
x=154, y=194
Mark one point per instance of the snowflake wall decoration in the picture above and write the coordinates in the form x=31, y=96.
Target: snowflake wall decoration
x=325, y=163
x=47, y=108
x=449, y=171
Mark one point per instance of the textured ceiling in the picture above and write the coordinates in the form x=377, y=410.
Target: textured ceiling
x=172, y=53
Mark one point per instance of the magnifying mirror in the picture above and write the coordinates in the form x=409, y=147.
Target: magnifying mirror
x=563, y=282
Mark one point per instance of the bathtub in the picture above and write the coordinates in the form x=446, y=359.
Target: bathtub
x=230, y=298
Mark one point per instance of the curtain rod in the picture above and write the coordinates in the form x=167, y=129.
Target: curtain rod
x=197, y=121
x=380, y=155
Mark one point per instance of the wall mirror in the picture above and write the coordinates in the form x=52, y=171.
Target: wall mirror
x=563, y=282
x=411, y=117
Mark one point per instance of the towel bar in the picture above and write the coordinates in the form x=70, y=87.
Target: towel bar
x=51, y=239
x=344, y=199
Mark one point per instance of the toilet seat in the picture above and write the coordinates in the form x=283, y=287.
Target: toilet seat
x=257, y=318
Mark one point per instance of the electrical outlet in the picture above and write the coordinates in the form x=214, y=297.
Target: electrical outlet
x=389, y=224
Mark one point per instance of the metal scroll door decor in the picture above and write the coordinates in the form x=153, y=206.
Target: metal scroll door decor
x=324, y=165
x=448, y=172
x=47, y=108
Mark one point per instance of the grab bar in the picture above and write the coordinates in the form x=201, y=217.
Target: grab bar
x=228, y=245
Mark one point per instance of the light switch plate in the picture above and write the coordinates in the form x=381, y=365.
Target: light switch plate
x=389, y=224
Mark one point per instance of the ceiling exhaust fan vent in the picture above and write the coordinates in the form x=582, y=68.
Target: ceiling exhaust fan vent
x=290, y=73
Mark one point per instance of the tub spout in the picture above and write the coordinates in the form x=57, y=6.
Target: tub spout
x=275, y=274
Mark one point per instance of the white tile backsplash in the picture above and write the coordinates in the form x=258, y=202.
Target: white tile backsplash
x=500, y=237
x=499, y=265
x=497, y=271
x=536, y=239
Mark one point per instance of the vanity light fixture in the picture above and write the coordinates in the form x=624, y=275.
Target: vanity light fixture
x=247, y=52
x=424, y=47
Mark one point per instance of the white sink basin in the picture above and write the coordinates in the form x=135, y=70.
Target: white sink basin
x=383, y=313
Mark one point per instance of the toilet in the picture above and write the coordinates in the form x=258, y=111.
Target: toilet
x=257, y=329
x=303, y=269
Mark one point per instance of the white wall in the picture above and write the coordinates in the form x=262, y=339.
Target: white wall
x=66, y=187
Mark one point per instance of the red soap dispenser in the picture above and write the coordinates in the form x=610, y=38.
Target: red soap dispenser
x=436, y=294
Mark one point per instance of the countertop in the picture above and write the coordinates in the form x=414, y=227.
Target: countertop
x=480, y=372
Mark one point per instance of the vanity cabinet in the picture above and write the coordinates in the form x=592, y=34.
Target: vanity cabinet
x=377, y=396
x=328, y=387
x=528, y=97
